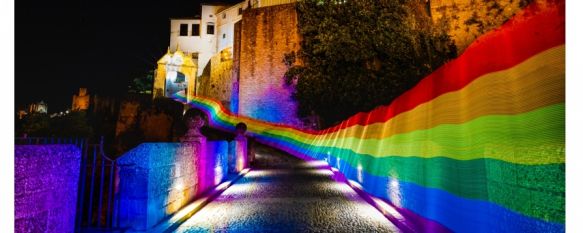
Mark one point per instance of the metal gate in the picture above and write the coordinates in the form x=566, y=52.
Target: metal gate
x=97, y=188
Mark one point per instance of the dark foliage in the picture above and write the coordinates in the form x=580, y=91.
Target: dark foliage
x=356, y=55
x=142, y=84
x=73, y=124
x=36, y=125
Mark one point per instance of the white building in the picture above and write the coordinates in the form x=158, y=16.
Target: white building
x=206, y=35
x=194, y=42
x=213, y=31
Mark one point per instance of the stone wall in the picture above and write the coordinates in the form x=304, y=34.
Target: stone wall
x=157, y=179
x=234, y=107
x=267, y=34
x=141, y=119
x=219, y=85
x=466, y=20
x=46, y=183
x=127, y=131
x=156, y=126
x=128, y=117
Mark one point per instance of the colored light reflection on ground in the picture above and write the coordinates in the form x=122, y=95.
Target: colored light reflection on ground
x=285, y=194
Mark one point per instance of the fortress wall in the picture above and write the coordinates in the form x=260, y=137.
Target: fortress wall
x=267, y=34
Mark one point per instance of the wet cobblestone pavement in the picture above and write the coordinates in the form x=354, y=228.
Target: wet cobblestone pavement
x=285, y=194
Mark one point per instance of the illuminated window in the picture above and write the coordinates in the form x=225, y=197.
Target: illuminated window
x=210, y=29
x=183, y=29
x=195, y=30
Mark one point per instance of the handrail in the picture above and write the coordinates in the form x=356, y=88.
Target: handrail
x=77, y=141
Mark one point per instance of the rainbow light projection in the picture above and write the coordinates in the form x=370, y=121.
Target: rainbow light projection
x=478, y=145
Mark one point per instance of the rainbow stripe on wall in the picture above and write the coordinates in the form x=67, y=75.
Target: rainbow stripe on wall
x=477, y=146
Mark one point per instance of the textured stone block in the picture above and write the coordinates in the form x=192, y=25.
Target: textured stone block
x=47, y=179
x=33, y=224
x=157, y=179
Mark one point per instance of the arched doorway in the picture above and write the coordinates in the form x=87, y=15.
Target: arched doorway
x=175, y=82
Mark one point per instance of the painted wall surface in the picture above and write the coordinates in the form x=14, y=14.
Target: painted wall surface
x=266, y=35
x=157, y=179
x=476, y=146
x=204, y=44
x=226, y=20
x=46, y=182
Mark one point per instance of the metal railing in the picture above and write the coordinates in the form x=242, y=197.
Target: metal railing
x=96, y=205
x=79, y=142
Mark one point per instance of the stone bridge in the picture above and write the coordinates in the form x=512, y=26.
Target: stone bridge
x=477, y=146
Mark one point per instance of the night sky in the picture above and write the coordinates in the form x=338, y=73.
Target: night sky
x=101, y=45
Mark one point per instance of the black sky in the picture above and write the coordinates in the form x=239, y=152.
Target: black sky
x=101, y=45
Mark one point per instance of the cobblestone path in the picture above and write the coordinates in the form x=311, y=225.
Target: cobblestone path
x=285, y=194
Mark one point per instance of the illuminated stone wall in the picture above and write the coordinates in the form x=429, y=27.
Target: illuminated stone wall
x=46, y=182
x=156, y=126
x=466, y=20
x=141, y=119
x=128, y=116
x=266, y=35
x=234, y=107
x=220, y=83
x=157, y=179
x=127, y=130
x=81, y=100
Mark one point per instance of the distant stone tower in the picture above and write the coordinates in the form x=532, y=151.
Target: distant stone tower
x=81, y=100
x=40, y=107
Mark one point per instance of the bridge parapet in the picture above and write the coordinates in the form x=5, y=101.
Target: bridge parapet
x=158, y=179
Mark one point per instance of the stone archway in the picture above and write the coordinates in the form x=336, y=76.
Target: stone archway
x=176, y=72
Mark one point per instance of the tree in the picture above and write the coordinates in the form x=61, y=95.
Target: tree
x=359, y=54
x=73, y=124
x=36, y=124
x=142, y=84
